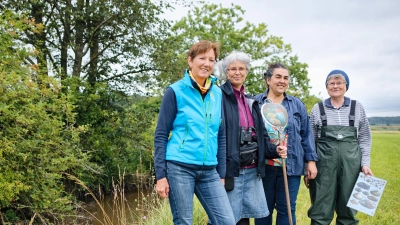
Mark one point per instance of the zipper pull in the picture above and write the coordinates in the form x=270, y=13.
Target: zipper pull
x=182, y=143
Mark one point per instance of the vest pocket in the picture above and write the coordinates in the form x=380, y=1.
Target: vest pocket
x=185, y=135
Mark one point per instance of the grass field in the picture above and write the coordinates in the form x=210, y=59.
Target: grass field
x=384, y=164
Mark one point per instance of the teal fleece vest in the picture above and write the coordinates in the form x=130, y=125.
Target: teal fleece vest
x=194, y=137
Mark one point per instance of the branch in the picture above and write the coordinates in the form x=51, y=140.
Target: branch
x=129, y=72
x=54, y=3
x=99, y=53
x=51, y=13
x=98, y=27
x=29, y=61
x=53, y=63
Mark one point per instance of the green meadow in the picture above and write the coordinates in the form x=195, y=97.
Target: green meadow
x=384, y=165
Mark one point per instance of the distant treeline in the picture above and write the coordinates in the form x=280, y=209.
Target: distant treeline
x=395, y=120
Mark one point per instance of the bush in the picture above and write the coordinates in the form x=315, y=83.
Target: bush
x=38, y=137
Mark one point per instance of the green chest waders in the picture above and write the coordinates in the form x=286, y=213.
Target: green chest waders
x=338, y=167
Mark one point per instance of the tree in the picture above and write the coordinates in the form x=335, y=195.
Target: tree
x=39, y=139
x=310, y=101
x=226, y=26
x=98, y=49
x=97, y=41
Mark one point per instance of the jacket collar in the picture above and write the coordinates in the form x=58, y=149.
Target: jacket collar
x=328, y=103
x=228, y=90
x=188, y=81
x=265, y=94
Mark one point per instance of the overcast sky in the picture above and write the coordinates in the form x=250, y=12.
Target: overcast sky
x=360, y=37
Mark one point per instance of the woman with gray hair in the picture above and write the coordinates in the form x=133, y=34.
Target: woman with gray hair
x=247, y=142
x=343, y=141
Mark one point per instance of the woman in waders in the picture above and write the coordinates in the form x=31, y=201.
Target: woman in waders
x=343, y=142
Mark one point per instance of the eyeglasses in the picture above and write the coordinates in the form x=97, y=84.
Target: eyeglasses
x=332, y=84
x=241, y=69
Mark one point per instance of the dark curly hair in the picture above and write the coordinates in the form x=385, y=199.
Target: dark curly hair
x=271, y=68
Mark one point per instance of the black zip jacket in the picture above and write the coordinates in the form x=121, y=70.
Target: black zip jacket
x=232, y=127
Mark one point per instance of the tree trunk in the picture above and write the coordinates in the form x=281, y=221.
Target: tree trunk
x=65, y=40
x=79, y=41
x=39, y=39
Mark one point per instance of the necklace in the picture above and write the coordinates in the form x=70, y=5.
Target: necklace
x=278, y=101
x=268, y=100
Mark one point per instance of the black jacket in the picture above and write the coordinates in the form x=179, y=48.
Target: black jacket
x=232, y=128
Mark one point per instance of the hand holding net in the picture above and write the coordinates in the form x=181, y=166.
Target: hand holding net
x=276, y=115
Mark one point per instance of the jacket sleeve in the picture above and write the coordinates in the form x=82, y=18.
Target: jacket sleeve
x=364, y=136
x=307, y=137
x=165, y=122
x=221, y=153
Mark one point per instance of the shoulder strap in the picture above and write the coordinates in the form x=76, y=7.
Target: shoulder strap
x=323, y=115
x=352, y=113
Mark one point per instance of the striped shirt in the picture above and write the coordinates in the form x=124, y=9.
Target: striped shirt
x=340, y=116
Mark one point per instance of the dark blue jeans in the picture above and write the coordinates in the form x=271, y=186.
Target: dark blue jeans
x=276, y=198
x=206, y=184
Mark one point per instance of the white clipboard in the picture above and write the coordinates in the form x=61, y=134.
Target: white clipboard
x=366, y=194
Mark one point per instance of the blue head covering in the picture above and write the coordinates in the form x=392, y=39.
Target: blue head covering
x=341, y=72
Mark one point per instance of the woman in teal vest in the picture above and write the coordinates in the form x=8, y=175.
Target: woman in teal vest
x=189, y=141
x=343, y=141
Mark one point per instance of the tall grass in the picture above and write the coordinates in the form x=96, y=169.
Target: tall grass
x=120, y=211
x=162, y=214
